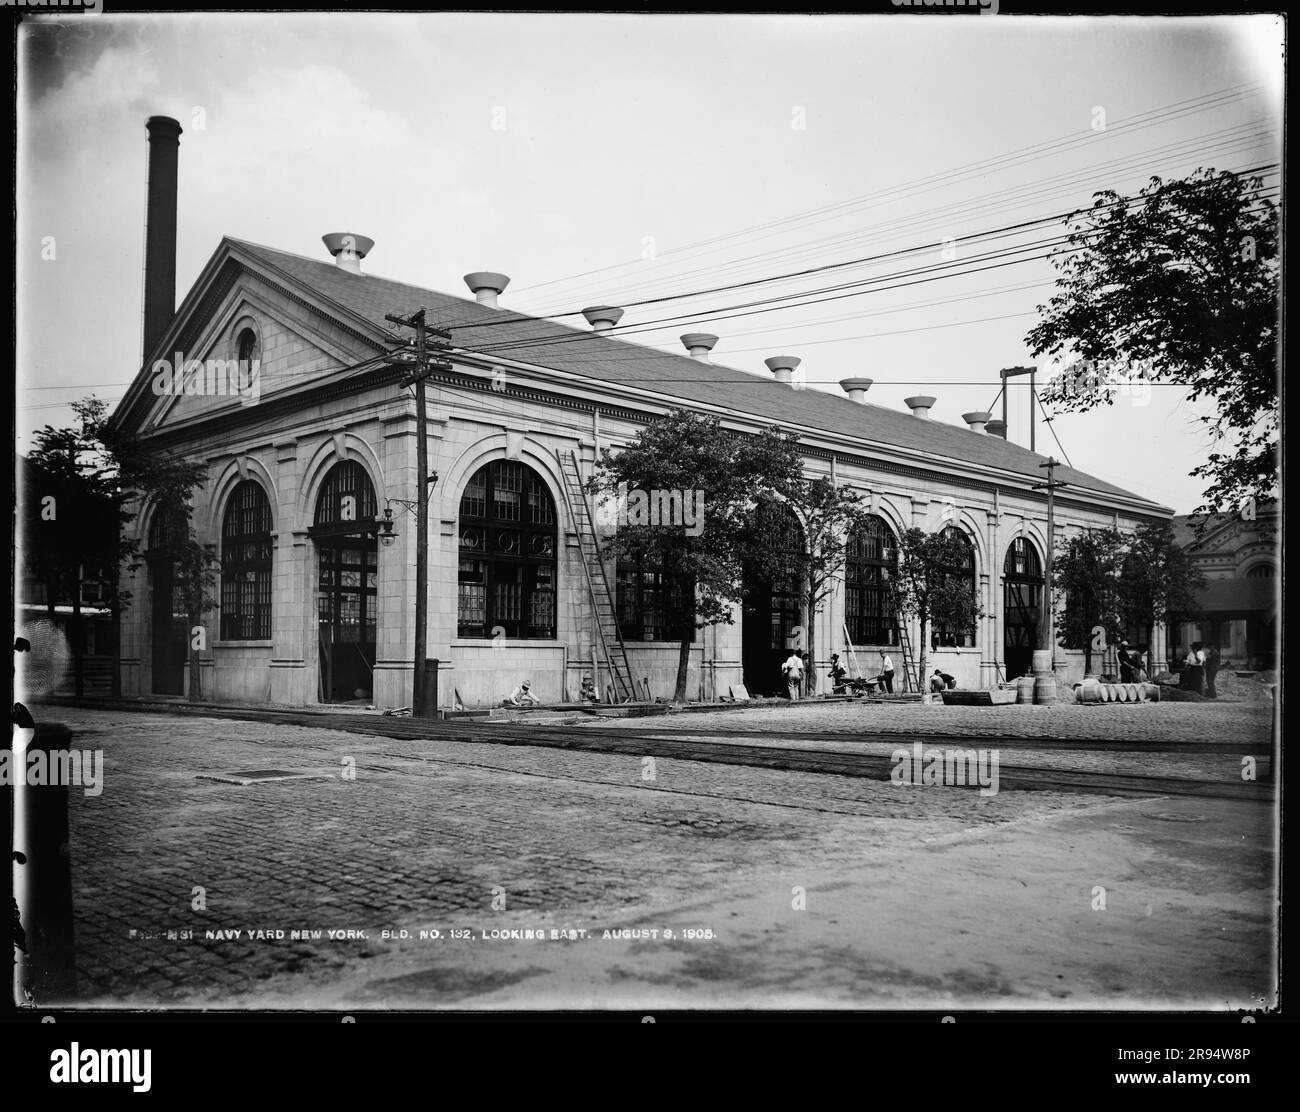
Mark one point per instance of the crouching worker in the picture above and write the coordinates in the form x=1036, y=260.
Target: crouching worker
x=522, y=696
x=941, y=681
x=837, y=675
x=587, y=692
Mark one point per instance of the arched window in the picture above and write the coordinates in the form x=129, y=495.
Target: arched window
x=167, y=530
x=1262, y=571
x=507, y=571
x=246, y=565
x=346, y=503
x=964, y=571
x=869, y=561
x=1022, y=597
x=247, y=347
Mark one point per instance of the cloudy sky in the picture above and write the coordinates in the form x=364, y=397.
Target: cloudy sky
x=612, y=159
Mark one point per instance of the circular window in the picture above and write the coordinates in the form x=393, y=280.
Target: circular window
x=508, y=542
x=469, y=538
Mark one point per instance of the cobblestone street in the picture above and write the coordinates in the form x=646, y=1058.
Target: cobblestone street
x=816, y=890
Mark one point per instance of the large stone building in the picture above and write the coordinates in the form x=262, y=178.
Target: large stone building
x=1239, y=604
x=304, y=469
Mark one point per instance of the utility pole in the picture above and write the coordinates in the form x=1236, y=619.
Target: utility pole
x=416, y=376
x=1045, y=654
x=1012, y=372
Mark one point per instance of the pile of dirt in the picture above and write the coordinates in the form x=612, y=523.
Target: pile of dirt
x=1247, y=689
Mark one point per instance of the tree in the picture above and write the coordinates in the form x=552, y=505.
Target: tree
x=195, y=568
x=1086, y=579
x=702, y=561
x=1179, y=284
x=128, y=473
x=928, y=590
x=829, y=515
x=68, y=518
x=1158, y=582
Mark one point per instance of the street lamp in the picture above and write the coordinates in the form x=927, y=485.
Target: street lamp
x=387, y=535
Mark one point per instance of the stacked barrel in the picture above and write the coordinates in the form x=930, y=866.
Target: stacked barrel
x=1118, y=693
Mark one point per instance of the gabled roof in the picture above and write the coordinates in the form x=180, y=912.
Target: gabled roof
x=1220, y=528
x=504, y=334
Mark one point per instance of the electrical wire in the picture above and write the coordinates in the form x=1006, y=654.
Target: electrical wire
x=1193, y=105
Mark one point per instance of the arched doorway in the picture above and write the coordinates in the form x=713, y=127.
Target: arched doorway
x=771, y=610
x=347, y=573
x=1022, y=597
x=169, y=642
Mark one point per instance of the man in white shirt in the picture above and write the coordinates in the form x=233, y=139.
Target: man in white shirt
x=887, y=671
x=793, y=671
x=523, y=696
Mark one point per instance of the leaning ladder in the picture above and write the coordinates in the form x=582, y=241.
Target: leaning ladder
x=602, y=600
x=904, y=643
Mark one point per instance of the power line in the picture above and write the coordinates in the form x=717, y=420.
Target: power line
x=1192, y=105
x=1047, y=420
x=1244, y=135
x=926, y=247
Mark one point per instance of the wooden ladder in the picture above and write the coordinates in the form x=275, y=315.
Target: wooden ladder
x=904, y=642
x=598, y=588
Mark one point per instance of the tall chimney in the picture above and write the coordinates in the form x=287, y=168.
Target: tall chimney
x=919, y=405
x=856, y=388
x=996, y=427
x=602, y=317
x=699, y=344
x=160, y=230
x=487, y=286
x=976, y=422
x=783, y=366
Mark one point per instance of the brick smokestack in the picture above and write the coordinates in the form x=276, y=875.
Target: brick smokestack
x=160, y=230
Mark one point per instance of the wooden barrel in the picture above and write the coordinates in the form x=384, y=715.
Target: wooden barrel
x=1025, y=689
